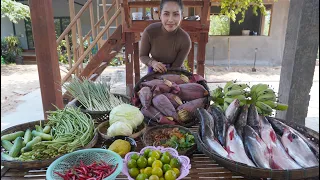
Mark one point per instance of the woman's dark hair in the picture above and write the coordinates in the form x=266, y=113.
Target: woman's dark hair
x=179, y=2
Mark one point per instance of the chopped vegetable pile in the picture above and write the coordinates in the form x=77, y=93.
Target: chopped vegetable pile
x=94, y=171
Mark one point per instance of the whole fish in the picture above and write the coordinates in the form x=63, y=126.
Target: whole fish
x=279, y=127
x=279, y=158
x=220, y=122
x=253, y=118
x=256, y=148
x=241, y=122
x=207, y=135
x=298, y=149
x=235, y=148
x=232, y=111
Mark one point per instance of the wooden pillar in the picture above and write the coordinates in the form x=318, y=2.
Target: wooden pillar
x=129, y=40
x=201, y=55
x=136, y=62
x=191, y=58
x=299, y=58
x=46, y=52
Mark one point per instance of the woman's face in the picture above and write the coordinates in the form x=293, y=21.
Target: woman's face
x=171, y=16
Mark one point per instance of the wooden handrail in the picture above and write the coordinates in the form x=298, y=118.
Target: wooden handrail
x=66, y=77
x=74, y=20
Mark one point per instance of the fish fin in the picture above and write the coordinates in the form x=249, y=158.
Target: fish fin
x=269, y=150
x=273, y=164
x=231, y=134
x=229, y=150
x=290, y=137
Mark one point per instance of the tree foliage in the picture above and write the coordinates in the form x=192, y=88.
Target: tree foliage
x=15, y=11
x=232, y=8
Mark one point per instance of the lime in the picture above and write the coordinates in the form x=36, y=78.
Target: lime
x=134, y=172
x=148, y=171
x=165, y=159
x=135, y=156
x=151, y=160
x=161, y=178
x=153, y=177
x=157, y=163
x=177, y=171
x=146, y=153
x=167, y=154
x=155, y=154
x=174, y=163
x=132, y=163
x=157, y=171
x=166, y=167
x=142, y=162
x=170, y=175
x=142, y=177
x=142, y=170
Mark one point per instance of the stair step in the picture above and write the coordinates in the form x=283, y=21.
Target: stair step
x=113, y=27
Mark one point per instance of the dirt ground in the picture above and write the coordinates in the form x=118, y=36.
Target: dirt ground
x=19, y=80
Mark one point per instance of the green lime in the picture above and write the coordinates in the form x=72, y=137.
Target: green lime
x=165, y=159
x=170, y=175
x=155, y=154
x=161, y=178
x=153, y=177
x=142, y=162
x=132, y=163
x=174, y=163
x=166, y=167
x=151, y=160
x=142, y=170
x=142, y=177
x=134, y=172
x=157, y=171
x=146, y=153
x=135, y=156
x=177, y=171
x=148, y=171
x=157, y=163
x=167, y=154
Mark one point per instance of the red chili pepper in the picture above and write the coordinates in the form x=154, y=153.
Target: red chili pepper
x=93, y=178
x=61, y=175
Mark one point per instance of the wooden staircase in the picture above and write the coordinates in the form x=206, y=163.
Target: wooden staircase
x=106, y=44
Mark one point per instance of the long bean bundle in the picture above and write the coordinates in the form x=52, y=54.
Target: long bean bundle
x=71, y=129
x=94, y=96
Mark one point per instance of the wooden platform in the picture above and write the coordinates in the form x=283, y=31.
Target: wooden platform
x=202, y=167
x=29, y=57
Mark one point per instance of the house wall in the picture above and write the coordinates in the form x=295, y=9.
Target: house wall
x=242, y=48
x=7, y=30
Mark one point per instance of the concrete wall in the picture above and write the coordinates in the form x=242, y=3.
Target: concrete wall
x=242, y=48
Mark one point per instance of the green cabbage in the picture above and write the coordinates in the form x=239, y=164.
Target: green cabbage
x=119, y=129
x=126, y=113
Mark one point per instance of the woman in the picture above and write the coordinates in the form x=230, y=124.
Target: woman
x=167, y=43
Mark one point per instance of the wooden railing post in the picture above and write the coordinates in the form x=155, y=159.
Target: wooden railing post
x=73, y=33
x=47, y=56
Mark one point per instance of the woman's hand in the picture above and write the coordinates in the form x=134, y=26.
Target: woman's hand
x=158, y=66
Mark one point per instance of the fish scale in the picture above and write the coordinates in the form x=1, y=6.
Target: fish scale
x=220, y=124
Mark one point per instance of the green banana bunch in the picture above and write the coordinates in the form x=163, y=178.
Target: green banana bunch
x=265, y=99
x=234, y=91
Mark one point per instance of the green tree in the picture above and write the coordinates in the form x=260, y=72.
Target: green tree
x=15, y=11
x=219, y=25
x=231, y=8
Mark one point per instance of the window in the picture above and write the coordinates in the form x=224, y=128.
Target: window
x=222, y=25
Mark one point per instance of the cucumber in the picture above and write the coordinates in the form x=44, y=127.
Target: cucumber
x=30, y=144
x=47, y=129
x=16, y=148
x=43, y=136
x=38, y=128
x=5, y=156
x=12, y=136
x=6, y=144
x=27, y=136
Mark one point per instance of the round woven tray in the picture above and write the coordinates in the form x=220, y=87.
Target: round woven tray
x=147, y=139
x=102, y=129
x=100, y=116
x=36, y=163
x=255, y=172
x=155, y=75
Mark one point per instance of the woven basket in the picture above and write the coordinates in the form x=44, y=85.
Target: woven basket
x=255, y=172
x=36, y=163
x=102, y=129
x=100, y=116
x=155, y=75
x=147, y=139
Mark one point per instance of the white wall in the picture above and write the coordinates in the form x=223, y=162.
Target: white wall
x=7, y=30
x=6, y=27
x=242, y=48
